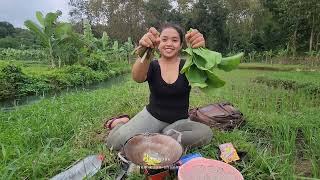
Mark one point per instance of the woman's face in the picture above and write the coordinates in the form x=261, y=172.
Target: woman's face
x=170, y=44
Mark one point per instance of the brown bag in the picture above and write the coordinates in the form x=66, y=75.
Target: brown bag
x=223, y=116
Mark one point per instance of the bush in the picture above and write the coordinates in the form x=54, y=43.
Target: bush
x=6, y=90
x=14, y=75
x=36, y=85
x=75, y=75
x=14, y=83
x=97, y=61
x=97, y=64
x=12, y=80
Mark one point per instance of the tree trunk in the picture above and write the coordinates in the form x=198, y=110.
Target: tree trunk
x=59, y=62
x=317, y=42
x=311, y=36
x=51, y=56
x=294, y=45
x=229, y=43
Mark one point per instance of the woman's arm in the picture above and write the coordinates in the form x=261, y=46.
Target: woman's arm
x=140, y=69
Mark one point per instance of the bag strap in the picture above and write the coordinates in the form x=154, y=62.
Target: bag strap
x=232, y=110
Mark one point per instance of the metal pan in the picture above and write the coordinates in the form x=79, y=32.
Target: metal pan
x=159, y=146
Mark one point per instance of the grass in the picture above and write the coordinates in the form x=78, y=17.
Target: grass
x=277, y=67
x=300, y=77
x=29, y=67
x=281, y=136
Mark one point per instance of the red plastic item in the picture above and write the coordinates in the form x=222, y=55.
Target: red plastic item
x=159, y=176
x=202, y=168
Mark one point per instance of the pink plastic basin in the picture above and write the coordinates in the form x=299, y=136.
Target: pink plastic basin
x=208, y=169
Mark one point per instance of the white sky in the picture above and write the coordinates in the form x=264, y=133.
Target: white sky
x=17, y=11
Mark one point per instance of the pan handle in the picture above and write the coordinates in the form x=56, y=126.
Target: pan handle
x=123, y=158
x=171, y=132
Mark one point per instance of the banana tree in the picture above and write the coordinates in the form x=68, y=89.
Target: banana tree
x=90, y=42
x=268, y=55
x=45, y=31
x=252, y=55
x=128, y=48
x=105, y=41
x=116, y=50
x=67, y=44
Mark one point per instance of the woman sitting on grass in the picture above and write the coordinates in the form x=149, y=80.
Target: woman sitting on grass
x=169, y=92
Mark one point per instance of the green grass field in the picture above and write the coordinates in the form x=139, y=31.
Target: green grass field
x=278, y=67
x=281, y=136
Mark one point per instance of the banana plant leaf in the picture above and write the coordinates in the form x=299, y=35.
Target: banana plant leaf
x=37, y=30
x=40, y=18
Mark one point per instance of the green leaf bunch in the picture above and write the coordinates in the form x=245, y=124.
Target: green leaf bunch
x=201, y=64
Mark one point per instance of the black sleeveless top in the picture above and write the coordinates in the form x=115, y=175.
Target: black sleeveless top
x=167, y=102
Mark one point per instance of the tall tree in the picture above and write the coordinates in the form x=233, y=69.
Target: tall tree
x=210, y=18
x=125, y=19
x=157, y=12
x=119, y=18
x=298, y=20
x=92, y=10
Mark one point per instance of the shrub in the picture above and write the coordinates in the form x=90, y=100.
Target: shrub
x=12, y=80
x=6, y=90
x=36, y=85
x=14, y=83
x=75, y=75
x=14, y=75
x=97, y=61
x=97, y=64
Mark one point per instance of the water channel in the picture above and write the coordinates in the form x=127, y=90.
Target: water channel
x=11, y=104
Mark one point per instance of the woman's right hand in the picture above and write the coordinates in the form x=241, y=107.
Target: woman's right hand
x=151, y=39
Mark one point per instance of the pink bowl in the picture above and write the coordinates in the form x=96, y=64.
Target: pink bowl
x=207, y=169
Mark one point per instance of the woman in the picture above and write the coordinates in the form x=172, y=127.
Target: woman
x=169, y=92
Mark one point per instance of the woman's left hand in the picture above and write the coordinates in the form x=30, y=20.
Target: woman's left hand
x=195, y=39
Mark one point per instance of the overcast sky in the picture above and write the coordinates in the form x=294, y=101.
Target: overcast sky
x=17, y=11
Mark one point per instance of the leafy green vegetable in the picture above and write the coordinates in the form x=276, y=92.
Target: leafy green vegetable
x=210, y=57
x=187, y=64
x=201, y=63
x=214, y=81
x=230, y=63
x=196, y=77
